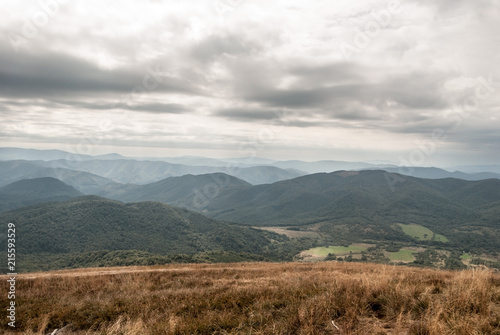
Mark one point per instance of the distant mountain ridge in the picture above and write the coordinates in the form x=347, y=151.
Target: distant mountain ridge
x=254, y=170
x=143, y=172
x=370, y=201
x=33, y=191
x=331, y=195
x=332, y=208
x=87, y=183
x=188, y=191
x=7, y=154
x=436, y=173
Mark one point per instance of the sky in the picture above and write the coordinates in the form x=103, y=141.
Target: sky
x=411, y=82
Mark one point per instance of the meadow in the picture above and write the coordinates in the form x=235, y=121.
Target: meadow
x=404, y=255
x=422, y=233
x=257, y=298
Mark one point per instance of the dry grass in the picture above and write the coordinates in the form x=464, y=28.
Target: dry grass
x=258, y=298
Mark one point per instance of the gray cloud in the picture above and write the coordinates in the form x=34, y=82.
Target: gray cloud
x=224, y=74
x=242, y=114
x=214, y=47
x=311, y=75
x=413, y=90
x=45, y=74
x=160, y=108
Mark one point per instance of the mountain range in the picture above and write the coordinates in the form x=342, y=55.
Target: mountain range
x=92, y=223
x=125, y=170
x=128, y=209
x=87, y=183
x=364, y=204
x=189, y=191
x=33, y=191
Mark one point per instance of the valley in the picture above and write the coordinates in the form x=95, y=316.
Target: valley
x=89, y=220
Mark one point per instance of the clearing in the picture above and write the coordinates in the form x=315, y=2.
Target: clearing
x=422, y=233
x=321, y=252
x=403, y=255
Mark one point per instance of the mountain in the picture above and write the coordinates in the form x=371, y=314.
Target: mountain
x=85, y=182
x=144, y=172
x=188, y=160
x=476, y=168
x=323, y=166
x=90, y=223
x=251, y=169
x=33, y=191
x=189, y=191
x=366, y=205
x=475, y=172
x=436, y=173
x=7, y=154
x=257, y=175
x=322, y=196
x=339, y=208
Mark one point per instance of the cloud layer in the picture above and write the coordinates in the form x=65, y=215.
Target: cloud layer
x=291, y=79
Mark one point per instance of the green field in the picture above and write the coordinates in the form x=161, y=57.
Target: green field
x=404, y=255
x=465, y=256
x=421, y=233
x=337, y=250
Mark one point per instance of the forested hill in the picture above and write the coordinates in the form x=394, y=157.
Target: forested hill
x=367, y=195
x=92, y=223
x=188, y=191
x=32, y=191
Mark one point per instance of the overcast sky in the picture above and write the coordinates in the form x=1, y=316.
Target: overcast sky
x=312, y=80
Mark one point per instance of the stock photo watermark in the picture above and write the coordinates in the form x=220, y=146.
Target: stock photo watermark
x=46, y=10
x=266, y=135
x=151, y=80
x=226, y=6
x=483, y=90
x=371, y=29
x=11, y=274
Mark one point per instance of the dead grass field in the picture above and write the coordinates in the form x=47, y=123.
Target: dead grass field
x=257, y=298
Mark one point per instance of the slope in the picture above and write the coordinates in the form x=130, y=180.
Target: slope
x=7, y=154
x=91, y=223
x=87, y=183
x=143, y=172
x=33, y=191
x=366, y=205
x=436, y=173
x=189, y=191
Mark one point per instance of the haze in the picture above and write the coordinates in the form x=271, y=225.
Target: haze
x=322, y=80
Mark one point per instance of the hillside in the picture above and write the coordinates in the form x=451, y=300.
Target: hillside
x=189, y=191
x=436, y=173
x=366, y=205
x=87, y=183
x=89, y=224
x=33, y=191
x=130, y=171
x=322, y=166
x=343, y=193
x=344, y=207
x=7, y=154
x=257, y=298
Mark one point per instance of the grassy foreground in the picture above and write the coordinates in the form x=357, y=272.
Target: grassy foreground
x=257, y=298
